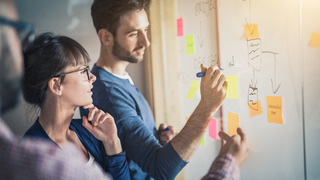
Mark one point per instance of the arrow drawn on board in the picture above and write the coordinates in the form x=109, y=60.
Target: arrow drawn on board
x=231, y=64
x=200, y=38
x=275, y=86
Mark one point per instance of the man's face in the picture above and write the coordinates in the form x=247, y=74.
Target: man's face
x=10, y=60
x=131, y=38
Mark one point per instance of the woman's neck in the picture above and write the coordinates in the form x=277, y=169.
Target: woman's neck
x=56, y=120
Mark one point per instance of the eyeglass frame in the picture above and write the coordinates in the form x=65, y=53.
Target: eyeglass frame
x=87, y=69
x=21, y=26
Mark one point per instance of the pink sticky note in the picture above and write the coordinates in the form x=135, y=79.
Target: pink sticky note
x=213, y=128
x=179, y=27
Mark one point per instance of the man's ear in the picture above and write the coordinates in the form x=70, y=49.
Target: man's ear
x=105, y=37
x=54, y=85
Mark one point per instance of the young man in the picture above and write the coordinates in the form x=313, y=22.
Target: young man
x=29, y=159
x=122, y=27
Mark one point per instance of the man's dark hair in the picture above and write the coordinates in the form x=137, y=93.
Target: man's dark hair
x=106, y=13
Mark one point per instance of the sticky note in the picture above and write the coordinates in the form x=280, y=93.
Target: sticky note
x=190, y=44
x=203, y=141
x=179, y=27
x=233, y=123
x=315, y=39
x=193, y=88
x=213, y=131
x=187, y=118
x=251, y=31
x=274, y=109
x=232, y=89
x=255, y=108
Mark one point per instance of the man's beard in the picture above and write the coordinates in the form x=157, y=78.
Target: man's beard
x=125, y=55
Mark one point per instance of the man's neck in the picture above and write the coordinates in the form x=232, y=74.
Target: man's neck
x=112, y=64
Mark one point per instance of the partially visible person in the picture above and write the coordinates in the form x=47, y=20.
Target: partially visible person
x=30, y=159
x=232, y=155
x=57, y=80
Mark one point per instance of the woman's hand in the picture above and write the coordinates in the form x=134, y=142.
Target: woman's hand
x=103, y=128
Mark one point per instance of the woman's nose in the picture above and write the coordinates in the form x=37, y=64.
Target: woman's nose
x=92, y=78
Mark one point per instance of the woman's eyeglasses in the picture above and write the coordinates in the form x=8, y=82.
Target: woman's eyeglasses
x=26, y=32
x=84, y=70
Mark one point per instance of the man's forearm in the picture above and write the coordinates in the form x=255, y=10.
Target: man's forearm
x=188, y=140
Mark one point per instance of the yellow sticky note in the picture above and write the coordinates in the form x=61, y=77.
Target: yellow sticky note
x=232, y=89
x=193, y=88
x=190, y=44
x=251, y=31
x=203, y=141
x=274, y=109
x=233, y=123
x=255, y=108
x=315, y=40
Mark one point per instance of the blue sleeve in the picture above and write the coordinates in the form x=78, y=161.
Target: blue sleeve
x=118, y=167
x=138, y=141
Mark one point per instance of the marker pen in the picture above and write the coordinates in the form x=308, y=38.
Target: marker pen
x=201, y=74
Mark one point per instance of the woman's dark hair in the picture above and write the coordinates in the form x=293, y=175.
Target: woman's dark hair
x=106, y=13
x=48, y=56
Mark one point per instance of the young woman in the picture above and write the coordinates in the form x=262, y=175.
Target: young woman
x=58, y=80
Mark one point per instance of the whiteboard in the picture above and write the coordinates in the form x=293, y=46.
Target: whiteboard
x=279, y=63
x=268, y=65
x=198, y=19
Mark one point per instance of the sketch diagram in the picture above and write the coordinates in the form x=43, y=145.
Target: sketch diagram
x=254, y=45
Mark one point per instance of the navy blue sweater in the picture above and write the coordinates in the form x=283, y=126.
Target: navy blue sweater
x=115, y=165
x=136, y=127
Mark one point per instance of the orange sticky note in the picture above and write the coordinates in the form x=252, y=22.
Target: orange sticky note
x=203, y=141
x=190, y=44
x=274, y=109
x=315, y=39
x=193, y=88
x=233, y=123
x=179, y=27
x=187, y=118
x=232, y=89
x=255, y=108
x=251, y=31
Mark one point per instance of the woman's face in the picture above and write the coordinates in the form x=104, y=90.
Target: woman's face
x=76, y=87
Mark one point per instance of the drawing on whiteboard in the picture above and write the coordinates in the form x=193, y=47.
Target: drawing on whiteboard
x=275, y=86
x=200, y=37
x=253, y=93
x=207, y=61
x=254, y=53
x=205, y=7
x=231, y=64
x=182, y=77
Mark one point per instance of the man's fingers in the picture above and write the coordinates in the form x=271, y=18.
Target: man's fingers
x=224, y=136
x=162, y=126
x=242, y=135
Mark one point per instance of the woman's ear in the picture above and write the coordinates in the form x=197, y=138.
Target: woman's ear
x=54, y=85
x=105, y=37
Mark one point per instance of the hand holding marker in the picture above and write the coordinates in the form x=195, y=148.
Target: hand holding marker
x=201, y=74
